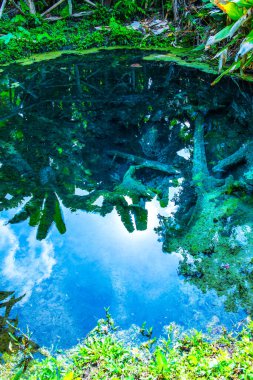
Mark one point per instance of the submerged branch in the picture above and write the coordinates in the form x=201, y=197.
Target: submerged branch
x=148, y=164
x=236, y=158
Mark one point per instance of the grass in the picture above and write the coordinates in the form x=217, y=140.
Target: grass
x=102, y=355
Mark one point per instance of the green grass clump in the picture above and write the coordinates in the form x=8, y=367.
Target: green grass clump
x=102, y=355
x=18, y=40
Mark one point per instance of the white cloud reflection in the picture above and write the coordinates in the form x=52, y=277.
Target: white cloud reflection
x=23, y=269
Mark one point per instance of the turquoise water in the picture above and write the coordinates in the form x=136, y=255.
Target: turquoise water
x=79, y=230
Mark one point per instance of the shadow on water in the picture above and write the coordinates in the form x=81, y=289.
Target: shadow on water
x=103, y=135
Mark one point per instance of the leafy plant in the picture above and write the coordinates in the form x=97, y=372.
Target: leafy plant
x=104, y=356
x=240, y=13
x=126, y=9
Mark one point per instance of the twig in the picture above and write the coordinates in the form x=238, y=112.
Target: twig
x=56, y=18
x=91, y=3
x=2, y=8
x=18, y=8
x=70, y=7
x=51, y=8
x=80, y=14
x=60, y=2
x=31, y=7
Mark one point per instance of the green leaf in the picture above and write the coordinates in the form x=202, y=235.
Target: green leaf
x=19, y=217
x=246, y=45
x=243, y=3
x=58, y=219
x=69, y=376
x=18, y=375
x=161, y=361
x=231, y=68
x=47, y=217
x=224, y=33
x=12, y=337
x=7, y=38
x=193, y=360
x=44, y=36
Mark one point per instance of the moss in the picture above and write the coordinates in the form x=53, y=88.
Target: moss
x=184, y=57
x=53, y=55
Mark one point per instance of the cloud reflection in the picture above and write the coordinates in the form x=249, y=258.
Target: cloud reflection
x=25, y=268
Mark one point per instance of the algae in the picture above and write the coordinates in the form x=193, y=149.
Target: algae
x=185, y=58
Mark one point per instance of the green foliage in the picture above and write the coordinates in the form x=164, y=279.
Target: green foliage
x=102, y=356
x=122, y=35
x=127, y=9
x=25, y=34
x=240, y=12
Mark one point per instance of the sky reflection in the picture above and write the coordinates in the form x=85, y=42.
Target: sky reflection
x=69, y=279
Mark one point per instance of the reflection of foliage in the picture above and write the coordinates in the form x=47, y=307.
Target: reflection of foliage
x=12, y=340
x=77, y=135
x=42, y=210
x=55, y=139
x=7, y=332
x=215, y=240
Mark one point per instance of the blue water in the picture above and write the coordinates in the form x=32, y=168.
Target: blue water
x=69, y=279
x=57, y=128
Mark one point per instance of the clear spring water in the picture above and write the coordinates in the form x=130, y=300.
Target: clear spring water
x=79, y=232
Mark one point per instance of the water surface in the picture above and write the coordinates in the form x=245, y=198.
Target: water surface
x=97, y=193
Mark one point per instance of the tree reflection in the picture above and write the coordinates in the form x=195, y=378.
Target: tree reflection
x=213, y=232
x=96, y=134
x=8, y=324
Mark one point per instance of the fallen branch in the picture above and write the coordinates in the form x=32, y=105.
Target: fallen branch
x=18, y=8
x=56, y=18
x=90, y=3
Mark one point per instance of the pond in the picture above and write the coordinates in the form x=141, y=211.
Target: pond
x=126, y=184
